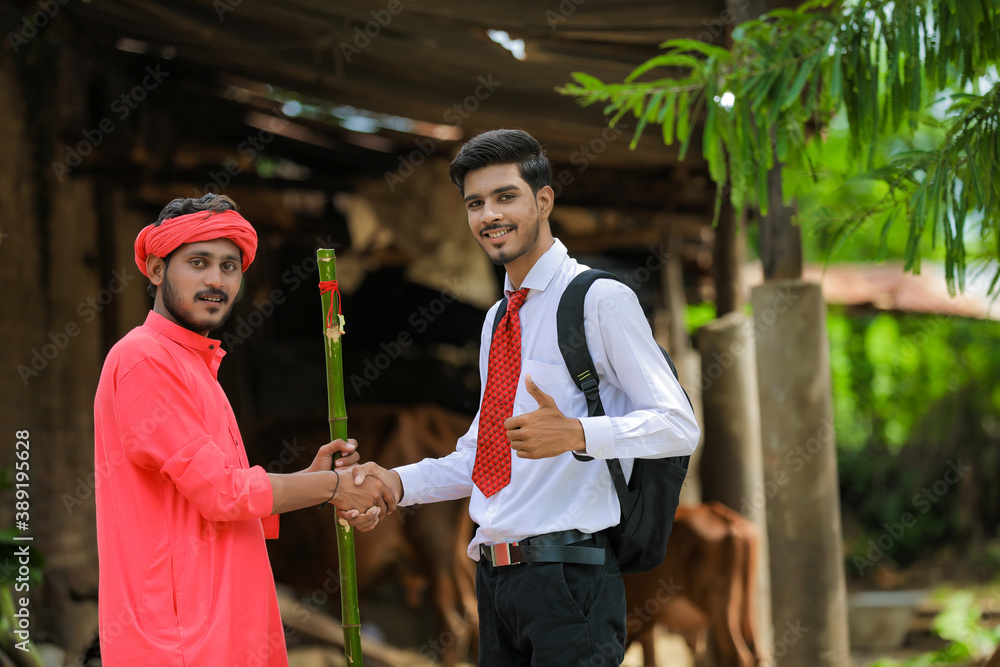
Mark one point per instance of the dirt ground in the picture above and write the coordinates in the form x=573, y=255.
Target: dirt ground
x=388, y=618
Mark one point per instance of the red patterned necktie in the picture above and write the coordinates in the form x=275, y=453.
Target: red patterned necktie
x=491, y=471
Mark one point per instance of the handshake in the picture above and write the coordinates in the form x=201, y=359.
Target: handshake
x=364, y=493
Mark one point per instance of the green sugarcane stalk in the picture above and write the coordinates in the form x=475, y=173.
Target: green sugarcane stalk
x=350, y=615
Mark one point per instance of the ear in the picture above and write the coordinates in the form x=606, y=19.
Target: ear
x=545, y=199
x=156, y=269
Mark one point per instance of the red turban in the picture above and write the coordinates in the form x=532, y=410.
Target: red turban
x=194, y=227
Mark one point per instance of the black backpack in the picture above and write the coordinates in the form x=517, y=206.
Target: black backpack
x=649, y=499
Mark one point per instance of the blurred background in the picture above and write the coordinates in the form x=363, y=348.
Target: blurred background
x=332, y=125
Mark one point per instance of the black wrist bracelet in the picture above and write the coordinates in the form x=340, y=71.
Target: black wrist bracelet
x=335, y=489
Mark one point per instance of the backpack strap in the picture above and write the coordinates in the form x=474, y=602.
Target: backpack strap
x=573, y=338
x=501, y=311
x=573, y=346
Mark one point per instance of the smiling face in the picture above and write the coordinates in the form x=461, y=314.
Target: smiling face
x=510, y=222
x=198, y=287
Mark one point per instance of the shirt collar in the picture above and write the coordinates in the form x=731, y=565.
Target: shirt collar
x=543, y=271
x=208, y=349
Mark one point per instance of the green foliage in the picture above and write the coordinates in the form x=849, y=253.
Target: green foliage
x=11, y=574
x=942, y=188
x=697, y=315
x=9, y=560
x=959, y=623
x=913, y=394
x=841, y=212
x=788, y=73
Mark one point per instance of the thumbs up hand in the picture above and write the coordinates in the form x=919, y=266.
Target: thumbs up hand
x=544, y=432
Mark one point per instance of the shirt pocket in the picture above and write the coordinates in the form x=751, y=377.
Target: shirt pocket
x=554, y=380
x=157, y=613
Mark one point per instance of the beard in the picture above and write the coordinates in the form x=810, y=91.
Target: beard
x=172, y=302
x=505, y=256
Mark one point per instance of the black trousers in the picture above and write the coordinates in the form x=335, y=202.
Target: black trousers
x=552, y=614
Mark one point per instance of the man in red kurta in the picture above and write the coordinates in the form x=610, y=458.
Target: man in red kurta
x=181, y=514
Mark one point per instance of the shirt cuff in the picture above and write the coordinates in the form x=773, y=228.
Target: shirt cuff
x=599, y=435
x=413, y=483
x=261, y=493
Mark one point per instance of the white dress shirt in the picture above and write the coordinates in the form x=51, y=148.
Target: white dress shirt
x=647, y=415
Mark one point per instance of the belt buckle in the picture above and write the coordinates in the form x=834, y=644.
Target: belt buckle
x=500, y=553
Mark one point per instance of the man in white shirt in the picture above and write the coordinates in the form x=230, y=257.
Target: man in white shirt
x=557, y=598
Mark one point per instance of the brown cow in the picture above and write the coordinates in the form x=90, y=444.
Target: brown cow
x=707, y=580
x=420, y=547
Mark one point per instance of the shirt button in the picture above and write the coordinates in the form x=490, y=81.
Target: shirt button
x=211, y=347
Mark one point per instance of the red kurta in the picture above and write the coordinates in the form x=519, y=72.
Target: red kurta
x=181, y=516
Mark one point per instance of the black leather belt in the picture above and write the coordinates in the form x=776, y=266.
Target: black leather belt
x=561, y=547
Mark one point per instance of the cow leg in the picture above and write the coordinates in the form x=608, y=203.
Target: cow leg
x=683, y=617
x=749, y=624
x=727, y=610
x=720, y=610
x=648, y=642
x=465, y=579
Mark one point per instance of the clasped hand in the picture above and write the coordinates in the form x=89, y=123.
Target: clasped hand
x=542, y=433
x=361, y=497
x=390, y=484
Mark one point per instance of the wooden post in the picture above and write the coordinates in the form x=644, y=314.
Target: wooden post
x=732, y=470
x=674, y=338
x=801, y=488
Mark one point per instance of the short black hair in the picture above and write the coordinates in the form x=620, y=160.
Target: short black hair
x=503, y=147
x=184, y=205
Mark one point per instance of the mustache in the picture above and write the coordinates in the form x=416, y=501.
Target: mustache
x=495, y=228
x=213, y=293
